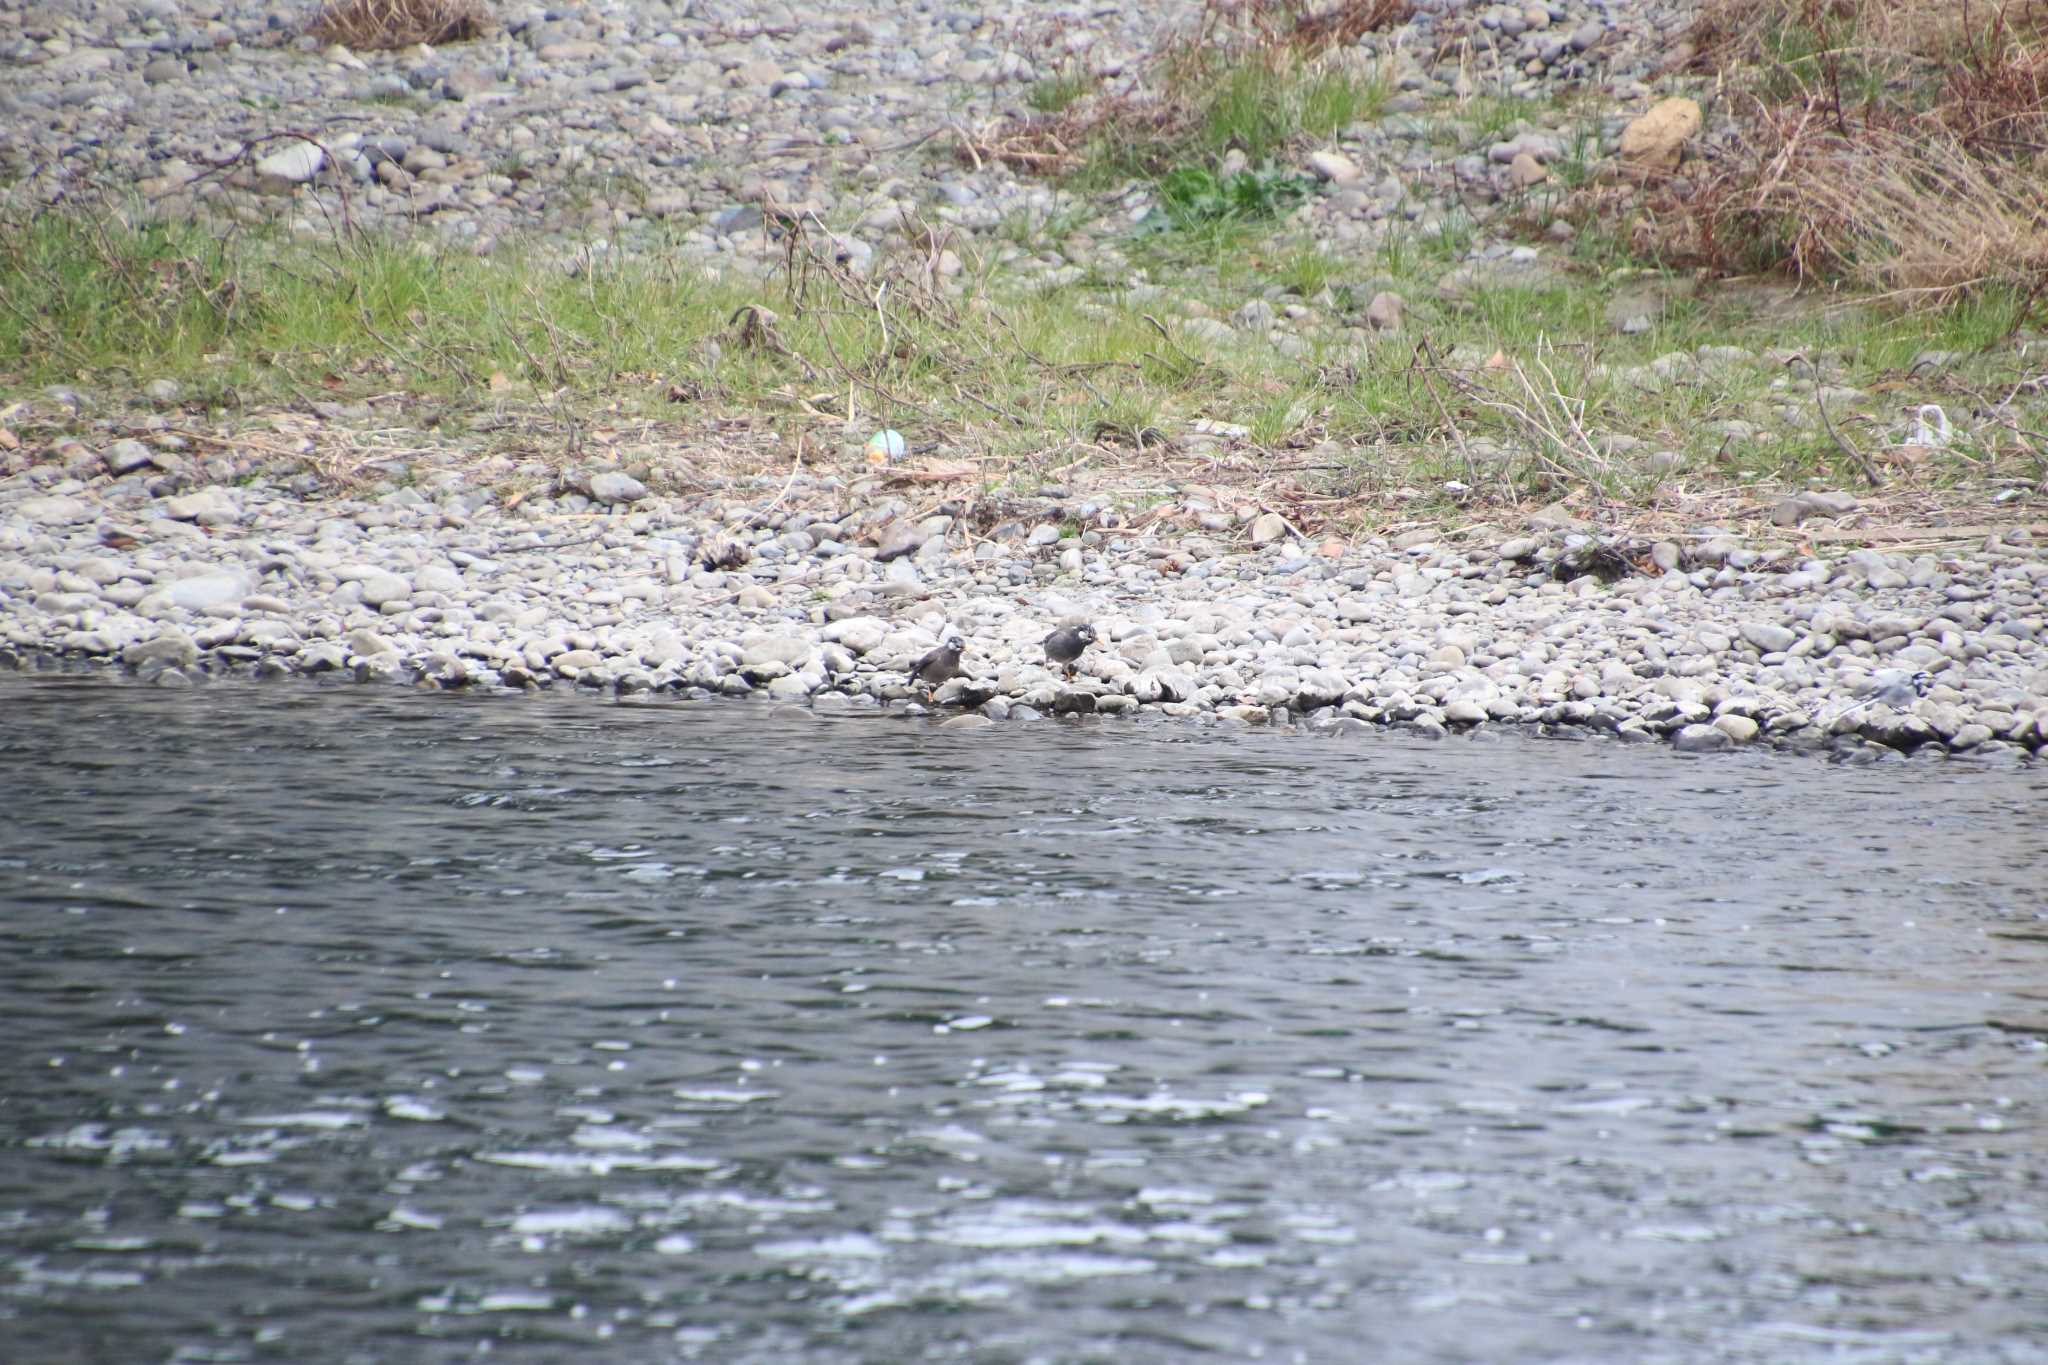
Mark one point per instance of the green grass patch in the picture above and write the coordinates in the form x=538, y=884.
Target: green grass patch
x=1813, y=50
x=1057, y=94
x=1265, y=107
x=1193, y=197
x=1536, y=379
x=82, y=296
x=1262, y=108
x=1490, y=118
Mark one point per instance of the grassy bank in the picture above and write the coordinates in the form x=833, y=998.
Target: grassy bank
x=1515, y=390
x=1650, y=358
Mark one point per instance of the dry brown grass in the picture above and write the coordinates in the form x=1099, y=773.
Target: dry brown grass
x=1911, y=214
x=1168, y=100
x=1729, y=32
x=1901, y=145
x=1294, y=25
x=373, y=25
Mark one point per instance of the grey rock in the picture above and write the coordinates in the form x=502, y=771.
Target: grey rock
x=127, y=455
x=1073, y=701
x=1896, y=730
x=1267, y=528
x=292, y=164
x=54, y=511
x=782, y=649
x=170, y=647
x=1383, y=314
x=1740, y=729
x=613, y=487
x=1701, y=739
x=369, y=644
x=205, y=507
x=323, y=656
x=437, y=578
x=1334, y=167
x=379, y=588
x=1767, y=637
x=205, y=590
x=902, y=538
x=1162, y=685
x=1969, y=735
x=860, y=634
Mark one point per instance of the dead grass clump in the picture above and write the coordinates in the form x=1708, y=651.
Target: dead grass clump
x=1904, y=213
x=1996, y=98
x=373, y=25
x=1292, y=24
x=1901, y=145
x=1249, y=73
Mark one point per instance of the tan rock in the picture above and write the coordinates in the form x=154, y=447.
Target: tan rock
x=1383, y=314
x=1525, y=170
x=1268, y=527
x=1657, y=139
x=1334, y=167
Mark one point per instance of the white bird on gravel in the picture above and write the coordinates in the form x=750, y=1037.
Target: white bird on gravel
x=1897, y=688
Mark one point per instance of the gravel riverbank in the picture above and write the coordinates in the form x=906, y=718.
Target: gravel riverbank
x=629, y=123
x=823, y=591
x=640, y=123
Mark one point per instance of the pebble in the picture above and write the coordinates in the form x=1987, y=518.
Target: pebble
x=1702, y=739
x=1768, y=636
x=127, y=455
x=1334, y=166
x=203, y=590
x=613, y=487
x=294, y=164
x=206, y=507
x=1267, y=528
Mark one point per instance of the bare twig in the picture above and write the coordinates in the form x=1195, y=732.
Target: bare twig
x=1875, y=479
x=796, y=465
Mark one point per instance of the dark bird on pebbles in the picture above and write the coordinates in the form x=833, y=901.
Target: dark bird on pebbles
x=939, y=666
x=1066, y=645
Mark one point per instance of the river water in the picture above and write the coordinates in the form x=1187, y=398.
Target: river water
x=364, y=1025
